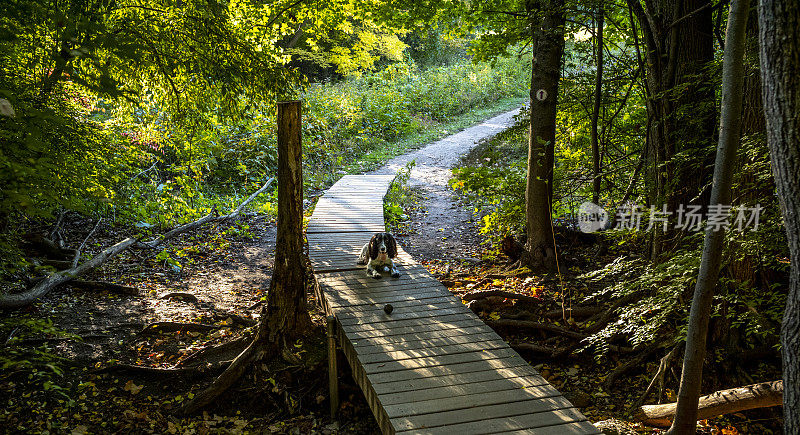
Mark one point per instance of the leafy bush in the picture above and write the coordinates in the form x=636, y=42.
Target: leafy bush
x=493, y=178
x=398, y=198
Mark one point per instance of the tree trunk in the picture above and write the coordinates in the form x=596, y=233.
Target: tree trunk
x=730, y=127
x=286, y=311
x=779, y=33
x=285, y=316
x=598, y=97
x=547, y=24
x=717, y=403
x=681, y=101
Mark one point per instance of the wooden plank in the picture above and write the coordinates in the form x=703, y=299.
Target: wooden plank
x=472, y=420
x=416, y=304
x=523, y=370
x=443, y=360
x=559, y=421
x=433, y=342
x=580, y=427
x=364, y=319
x=378, y=291
x=415, y=329
x=452, y=369
x=533, y=394
x=337, y=301
x=441, y=321
x=454, y=349
x=461, y=389
x=379, y=344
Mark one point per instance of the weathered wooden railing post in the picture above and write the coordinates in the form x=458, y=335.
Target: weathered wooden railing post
x=333, y=373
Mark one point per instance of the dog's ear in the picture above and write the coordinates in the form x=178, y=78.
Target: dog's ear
x=391, y=245
x=374, y=244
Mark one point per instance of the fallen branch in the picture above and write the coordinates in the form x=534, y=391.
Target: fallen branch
x=635, y=362
x=719, y=403
x=211, y=217
x=663, y=365
x=42, y=288
x=574, y=312
x=535, y=348
x=481, y=294
x=510, y=323
x=18, y=300
x=80, y=248
x=234, y=348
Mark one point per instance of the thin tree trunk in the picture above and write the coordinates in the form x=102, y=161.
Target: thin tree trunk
x=598, y=96
x=730, y=127
x=547, y=23
x=779, y=33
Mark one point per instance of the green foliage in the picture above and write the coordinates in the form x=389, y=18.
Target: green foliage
x=39, y=364
x=663, y=303
x=399, y=198
x=493, y=178
x=346, y=120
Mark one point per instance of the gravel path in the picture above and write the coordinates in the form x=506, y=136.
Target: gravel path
x=445, y=228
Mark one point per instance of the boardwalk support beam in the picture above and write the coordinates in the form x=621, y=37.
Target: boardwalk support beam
x=333, y=373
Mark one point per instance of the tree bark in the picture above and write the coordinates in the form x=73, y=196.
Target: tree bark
x=681, y=101
x=286, y=310
x=598, y=97
x=285, y=316
x=700, y=313
x=547, y=23
x=717, y=403
x=779, y=33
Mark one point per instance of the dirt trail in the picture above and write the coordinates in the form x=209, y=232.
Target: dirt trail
x=444, y=228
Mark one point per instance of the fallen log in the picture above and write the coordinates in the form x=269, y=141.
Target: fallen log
x=18, y=300
x=481, y=294
x=718, y=403
x=574, y=312
x=525, y=324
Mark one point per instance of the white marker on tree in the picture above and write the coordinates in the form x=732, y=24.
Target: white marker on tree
x=541, y=95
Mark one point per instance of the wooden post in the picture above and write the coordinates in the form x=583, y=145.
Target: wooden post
x=333, y=374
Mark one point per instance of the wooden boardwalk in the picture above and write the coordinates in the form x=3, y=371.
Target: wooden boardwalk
x=431, y=366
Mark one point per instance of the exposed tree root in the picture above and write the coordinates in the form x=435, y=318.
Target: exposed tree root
x=183, y=296
x=510, y=323
x=188, y=372
x=233, y=348
x=718, y=403
x=499, y=293
x=663, y=365
x=158, y=327
x=634, y=362
x=574, y=312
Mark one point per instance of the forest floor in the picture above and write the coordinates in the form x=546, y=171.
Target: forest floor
x=213, y=281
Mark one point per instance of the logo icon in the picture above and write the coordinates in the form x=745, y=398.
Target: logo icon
x=591, y=217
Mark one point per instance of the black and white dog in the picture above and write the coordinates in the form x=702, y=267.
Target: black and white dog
x=379, y=253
